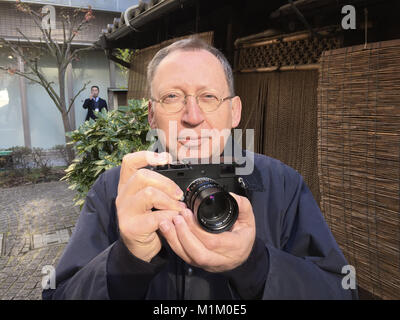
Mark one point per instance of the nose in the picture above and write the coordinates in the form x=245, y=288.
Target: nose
x=192, y=115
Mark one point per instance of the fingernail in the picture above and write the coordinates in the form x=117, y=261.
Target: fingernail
x=164, y=226
x=187, y=213
x=162, y=158
x=179, y=193
x=183, y=205
x=178, y=219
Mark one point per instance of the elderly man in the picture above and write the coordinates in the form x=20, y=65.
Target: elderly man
x=279, y=247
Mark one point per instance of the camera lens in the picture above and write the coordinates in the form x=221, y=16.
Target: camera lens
x=213, y=206
x=216, y=210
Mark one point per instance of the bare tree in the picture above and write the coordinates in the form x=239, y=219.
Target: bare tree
x=61, y=50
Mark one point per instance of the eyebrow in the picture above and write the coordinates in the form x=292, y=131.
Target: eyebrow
x=202, y=88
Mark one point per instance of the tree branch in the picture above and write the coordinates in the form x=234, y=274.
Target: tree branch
x=64, y=37
x=22, y=74
x=79, y=28
x=27, y=39
x=74, y=54
x=63, y=53
x=26, y=76
x=37, y=18
x=79, y=92
x=45, y=84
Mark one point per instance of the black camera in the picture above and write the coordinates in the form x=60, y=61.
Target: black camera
x=206, y=192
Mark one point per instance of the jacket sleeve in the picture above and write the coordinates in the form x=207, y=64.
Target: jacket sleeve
x=83, y=270
x=247, y=281
x=308, y=262
x=87, y=104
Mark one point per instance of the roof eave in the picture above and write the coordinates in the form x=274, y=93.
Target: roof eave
x=153, y=13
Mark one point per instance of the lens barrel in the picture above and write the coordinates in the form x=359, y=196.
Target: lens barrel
x=215, y=209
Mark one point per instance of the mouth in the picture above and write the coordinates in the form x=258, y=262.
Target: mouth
x=192, y=142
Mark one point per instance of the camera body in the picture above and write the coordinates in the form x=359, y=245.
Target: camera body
x=206, y=192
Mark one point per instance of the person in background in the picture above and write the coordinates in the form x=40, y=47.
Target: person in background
x=94, y=103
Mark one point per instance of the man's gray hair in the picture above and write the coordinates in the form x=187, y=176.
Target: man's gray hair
x=190, y=44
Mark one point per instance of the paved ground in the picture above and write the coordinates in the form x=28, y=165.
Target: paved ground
x=36, y=222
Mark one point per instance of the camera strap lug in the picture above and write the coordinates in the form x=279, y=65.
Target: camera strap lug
x=242, y=183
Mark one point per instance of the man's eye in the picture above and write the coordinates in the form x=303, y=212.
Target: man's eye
x=171, y=97
x=208, y=96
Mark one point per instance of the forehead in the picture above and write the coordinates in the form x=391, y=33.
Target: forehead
x=190, y=68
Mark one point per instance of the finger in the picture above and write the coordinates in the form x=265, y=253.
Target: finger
x=245, y=209
x=216, y=242
x=245, y=226
x=134, y=161
x=147, y=178
x=194, y=225
x=156, y=217
x=200, y=255
x=148, y=223
x=168, y=231
x=226, y=246
x=147, y=199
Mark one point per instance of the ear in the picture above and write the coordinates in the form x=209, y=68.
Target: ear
x=150, y=116
x=236, y=111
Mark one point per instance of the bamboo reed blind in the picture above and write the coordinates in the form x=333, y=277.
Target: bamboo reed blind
x=281, y=107
x=359, y=159
x=137, y=83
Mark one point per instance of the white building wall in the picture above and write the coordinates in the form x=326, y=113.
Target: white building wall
x=11, y=130
x=46, y=127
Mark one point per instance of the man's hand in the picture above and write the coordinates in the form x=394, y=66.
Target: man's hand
x=91, y=97
x=212, y=252
x=140, y=190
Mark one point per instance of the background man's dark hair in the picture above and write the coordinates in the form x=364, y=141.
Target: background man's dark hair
x=94, y=87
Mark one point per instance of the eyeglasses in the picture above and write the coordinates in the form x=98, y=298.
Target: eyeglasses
x=175, y=101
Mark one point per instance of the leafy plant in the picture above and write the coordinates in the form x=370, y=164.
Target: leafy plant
x=21, y=157
x=125, y=55
x=101, y=144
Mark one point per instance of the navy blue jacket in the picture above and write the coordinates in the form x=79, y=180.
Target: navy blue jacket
x=91, y=105
x=294, y=256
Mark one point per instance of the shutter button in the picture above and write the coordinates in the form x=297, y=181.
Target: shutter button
x=189, y=271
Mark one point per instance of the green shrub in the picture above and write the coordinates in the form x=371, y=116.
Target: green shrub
x=21, y=157
x=101, y=144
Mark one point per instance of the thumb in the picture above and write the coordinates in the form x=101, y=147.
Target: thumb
x=245, y=208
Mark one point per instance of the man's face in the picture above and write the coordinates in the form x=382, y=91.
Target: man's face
x=198, y=134
x=94, y=92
